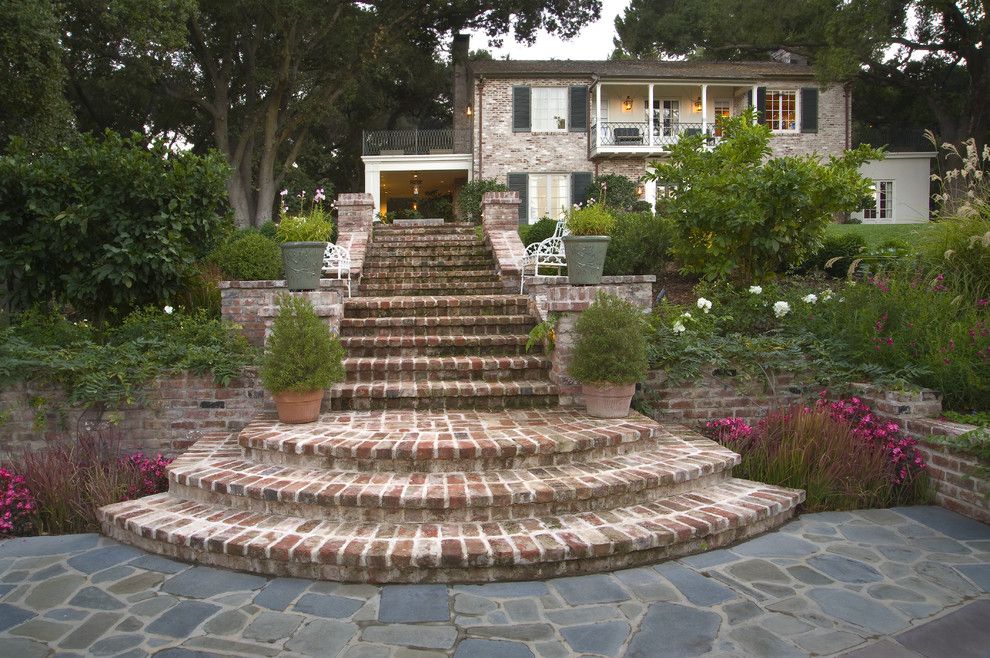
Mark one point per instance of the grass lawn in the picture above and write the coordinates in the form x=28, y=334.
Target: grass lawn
x=877, y=234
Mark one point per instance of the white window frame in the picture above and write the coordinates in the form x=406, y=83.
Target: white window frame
x=726, y=104
x=551, y=126
x=882, y=212
x=797, y=109
x=544, y=179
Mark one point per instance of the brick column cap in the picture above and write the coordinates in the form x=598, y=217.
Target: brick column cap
x=355, y=199
x=503, y=198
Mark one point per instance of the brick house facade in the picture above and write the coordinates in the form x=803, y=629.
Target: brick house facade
x=512, y=143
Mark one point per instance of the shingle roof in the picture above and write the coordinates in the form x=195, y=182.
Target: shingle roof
x=641, y=69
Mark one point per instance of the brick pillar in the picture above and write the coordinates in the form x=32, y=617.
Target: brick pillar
x=355, y=214
x=500, y=220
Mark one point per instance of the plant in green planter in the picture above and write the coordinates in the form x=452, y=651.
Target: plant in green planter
x=587, y=244
x=304, y=239
x=302, y=358
x=609, y=355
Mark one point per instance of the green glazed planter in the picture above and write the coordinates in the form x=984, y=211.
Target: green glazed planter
x=303, y=263
x=585, y=258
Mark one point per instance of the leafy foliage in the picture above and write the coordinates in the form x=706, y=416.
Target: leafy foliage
x=108, y=367
x=739, y=215
x=302, y=354
x=440, y=206
x=106, y=225
x=617, y=193
x=539, y=231
x=593, y=219
x=640, y=241
x=836, y=254
x=469, y=198
x=315, y=226
x=610, y=344
x=249, y=256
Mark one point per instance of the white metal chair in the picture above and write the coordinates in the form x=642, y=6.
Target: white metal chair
x=337, y=261
x=548, y=253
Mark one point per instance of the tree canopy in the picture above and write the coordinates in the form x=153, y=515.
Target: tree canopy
x=932, y=51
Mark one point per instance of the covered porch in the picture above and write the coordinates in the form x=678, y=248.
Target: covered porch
x=648, y=117
x=407, y=182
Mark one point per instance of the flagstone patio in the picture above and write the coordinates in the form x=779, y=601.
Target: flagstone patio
x=903, y=582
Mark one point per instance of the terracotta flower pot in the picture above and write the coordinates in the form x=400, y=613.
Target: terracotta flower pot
x=295, y=407
x=608, y=401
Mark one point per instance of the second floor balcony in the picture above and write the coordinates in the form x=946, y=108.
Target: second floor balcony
x=636, y=137
x=415, y=141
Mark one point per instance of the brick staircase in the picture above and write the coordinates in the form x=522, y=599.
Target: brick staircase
x=427, y=472
x=433, y=329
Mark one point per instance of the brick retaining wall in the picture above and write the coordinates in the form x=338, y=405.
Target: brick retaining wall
x=252, y=304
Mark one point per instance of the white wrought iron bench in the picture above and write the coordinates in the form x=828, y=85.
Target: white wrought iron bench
x=337, y=263
x=547, y=253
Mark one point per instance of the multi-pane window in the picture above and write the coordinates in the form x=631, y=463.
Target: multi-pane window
x=549, y=109
x=883, y=201
x=723, y=108
x=549, y=195
x=781, y=110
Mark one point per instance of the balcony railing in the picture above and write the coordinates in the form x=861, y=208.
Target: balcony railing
x=416, y=142
x=635, y=135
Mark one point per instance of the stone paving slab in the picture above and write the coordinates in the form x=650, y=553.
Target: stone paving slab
x=903, y=582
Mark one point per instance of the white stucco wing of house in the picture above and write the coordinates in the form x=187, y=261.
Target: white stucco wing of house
x=906, y=178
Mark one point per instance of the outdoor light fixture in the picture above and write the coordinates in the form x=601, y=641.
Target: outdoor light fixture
x=627, y=104
x=640, y=190
x=470, y=110
x=697, y=104
x=415, y=185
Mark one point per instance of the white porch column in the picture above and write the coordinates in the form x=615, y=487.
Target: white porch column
x=598, y=114
x=373, y=183
x=756, y=120
x=704, y=109
x=649, y=126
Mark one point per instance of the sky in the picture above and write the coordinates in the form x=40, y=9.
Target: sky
x=593, y=42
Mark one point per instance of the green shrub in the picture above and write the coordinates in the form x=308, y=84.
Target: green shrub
x=249, y=256
x=739, y=215
x=469, y=198
x=315, y=226
x=591, y=220
x=302, y=354
x=441, y=207
x=615, y=192
x=836, y=254
x=959, y=248
x=639, y=244
x=268, y=229
x=107, y=224
x=610, y=345
x=539, y=231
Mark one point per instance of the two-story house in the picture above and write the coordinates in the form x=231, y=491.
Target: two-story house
x=546, y=128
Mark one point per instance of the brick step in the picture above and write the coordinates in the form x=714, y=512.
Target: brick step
x=436, y=240
x=432, y=288
x=467, y=368
x=455, y=325
x=429, y=275
x=442, y=395
x=228, y=479
x=405, y=346
x=438, y=305
x=419, y=264
x=429, y=250
x=446, y=227
x=533, y=548
x=462, y=441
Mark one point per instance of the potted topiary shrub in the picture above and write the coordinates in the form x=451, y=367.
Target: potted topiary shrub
x=304, y=240
x=587, y=244
x=302, y=359
x=609, y=355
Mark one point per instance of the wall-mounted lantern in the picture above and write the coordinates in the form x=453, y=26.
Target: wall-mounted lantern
x=627, y=104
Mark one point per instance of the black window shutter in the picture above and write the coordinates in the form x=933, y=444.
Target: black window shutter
x=580, y=181
x=809, y=110
x=521, y=109
x=761, y=104
x=578, y=120
x=520, y=183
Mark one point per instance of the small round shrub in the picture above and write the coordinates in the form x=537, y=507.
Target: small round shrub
x=639, y=244
x=591, y=220
x=611, y=343
x=302, y=354
x=268, y=229
x=249, y=256
x=540, y=231
x=615, y=192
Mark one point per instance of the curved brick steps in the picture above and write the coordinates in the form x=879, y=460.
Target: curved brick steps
x=465, y=274
x=468, y=440
x=450, y=552
x=443, y=325
x=412, y=346
x=444, y=497
x=433, y=287
x=456, y=394
x=407, y=306
x=468, y=368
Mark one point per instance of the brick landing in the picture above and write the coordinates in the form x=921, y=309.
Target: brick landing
x=404, y=496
